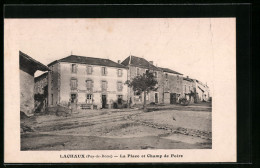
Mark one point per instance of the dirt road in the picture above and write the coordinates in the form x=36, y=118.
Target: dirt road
x=121, y=130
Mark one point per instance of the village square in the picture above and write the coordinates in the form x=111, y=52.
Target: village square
x=89, y=103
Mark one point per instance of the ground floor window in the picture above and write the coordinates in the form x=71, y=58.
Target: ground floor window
x=137, y=96
x=73, y=98
x=89, y=98
x=120, y=99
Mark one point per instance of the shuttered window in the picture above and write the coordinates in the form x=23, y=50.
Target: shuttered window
x=119, y=86
x=89, y=84
x=89, y=70
x=119, y=72
x=73, y=68
x=104, y=71
x=104, y=85
x=73, y=84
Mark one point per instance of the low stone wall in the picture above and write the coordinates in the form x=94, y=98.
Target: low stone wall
x=59, y=110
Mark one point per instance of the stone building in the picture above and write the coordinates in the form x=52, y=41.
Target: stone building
x=189, y=89
x=86, y=82
x=138, y=66
x=172, y=85
x=202, y=90
x=28, y=66
x=41, y=92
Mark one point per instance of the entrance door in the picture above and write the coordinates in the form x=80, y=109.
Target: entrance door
x=104, y=101
x=156, y=97
x=173, y=98
x=73, y=101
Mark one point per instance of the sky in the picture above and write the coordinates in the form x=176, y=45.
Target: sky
x=186, y=45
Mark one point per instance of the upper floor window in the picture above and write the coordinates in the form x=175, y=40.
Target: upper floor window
x=104, y=71
x=185, y=88
x=119, y=86
x=155, y=74
x=166, y=76
x=104, y=85
x=73, y=84
x=73, y=68
x=89, y=84
x=137, y=71
x=89, y=70
x=119, y=72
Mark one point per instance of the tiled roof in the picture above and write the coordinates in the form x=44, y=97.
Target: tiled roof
x=170, y=71
x=29, y=62
x=89, y=61
x=139, y=62
x=188, y=79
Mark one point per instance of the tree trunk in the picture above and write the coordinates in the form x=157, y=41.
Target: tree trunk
x=144, y=101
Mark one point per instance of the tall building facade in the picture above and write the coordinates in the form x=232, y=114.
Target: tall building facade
x=86, y=82
x=172, y=85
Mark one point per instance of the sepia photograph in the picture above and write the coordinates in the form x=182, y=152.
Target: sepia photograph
x=145, y=84
x=151, y=97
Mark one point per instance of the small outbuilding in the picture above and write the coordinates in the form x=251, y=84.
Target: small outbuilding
x=28, y=66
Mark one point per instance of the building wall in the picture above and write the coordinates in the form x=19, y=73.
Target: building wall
x=81, y=91
x=26, y=93
x=138, y=99
x=39, y=89
x=203, y=96
x=188, y=88
x=173, y=83
x=40, y=84
x=53, y=83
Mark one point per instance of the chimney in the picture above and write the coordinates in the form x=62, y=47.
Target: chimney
x=118, y=61
x=187, y=76
x=151, y=62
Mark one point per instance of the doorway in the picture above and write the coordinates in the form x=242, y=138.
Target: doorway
x=73, y=101
x=156, y=98
x=173, y=98
x=104, y=101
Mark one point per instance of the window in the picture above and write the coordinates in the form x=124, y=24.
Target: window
x=147, y=96
x=146, y=71
x=104, y=85
x=89, y=99
x=89, y=84
x=73, y=84
x=73, y=68
x=89, y=69
x=137, y=71
x=166, y=76
x=119, y=99
x=104, y=71
x=119, y=72
x=155, y=74
x=73, y=98
x=119, y=86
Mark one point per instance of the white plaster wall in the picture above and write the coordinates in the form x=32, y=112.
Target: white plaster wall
x=96, y=76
